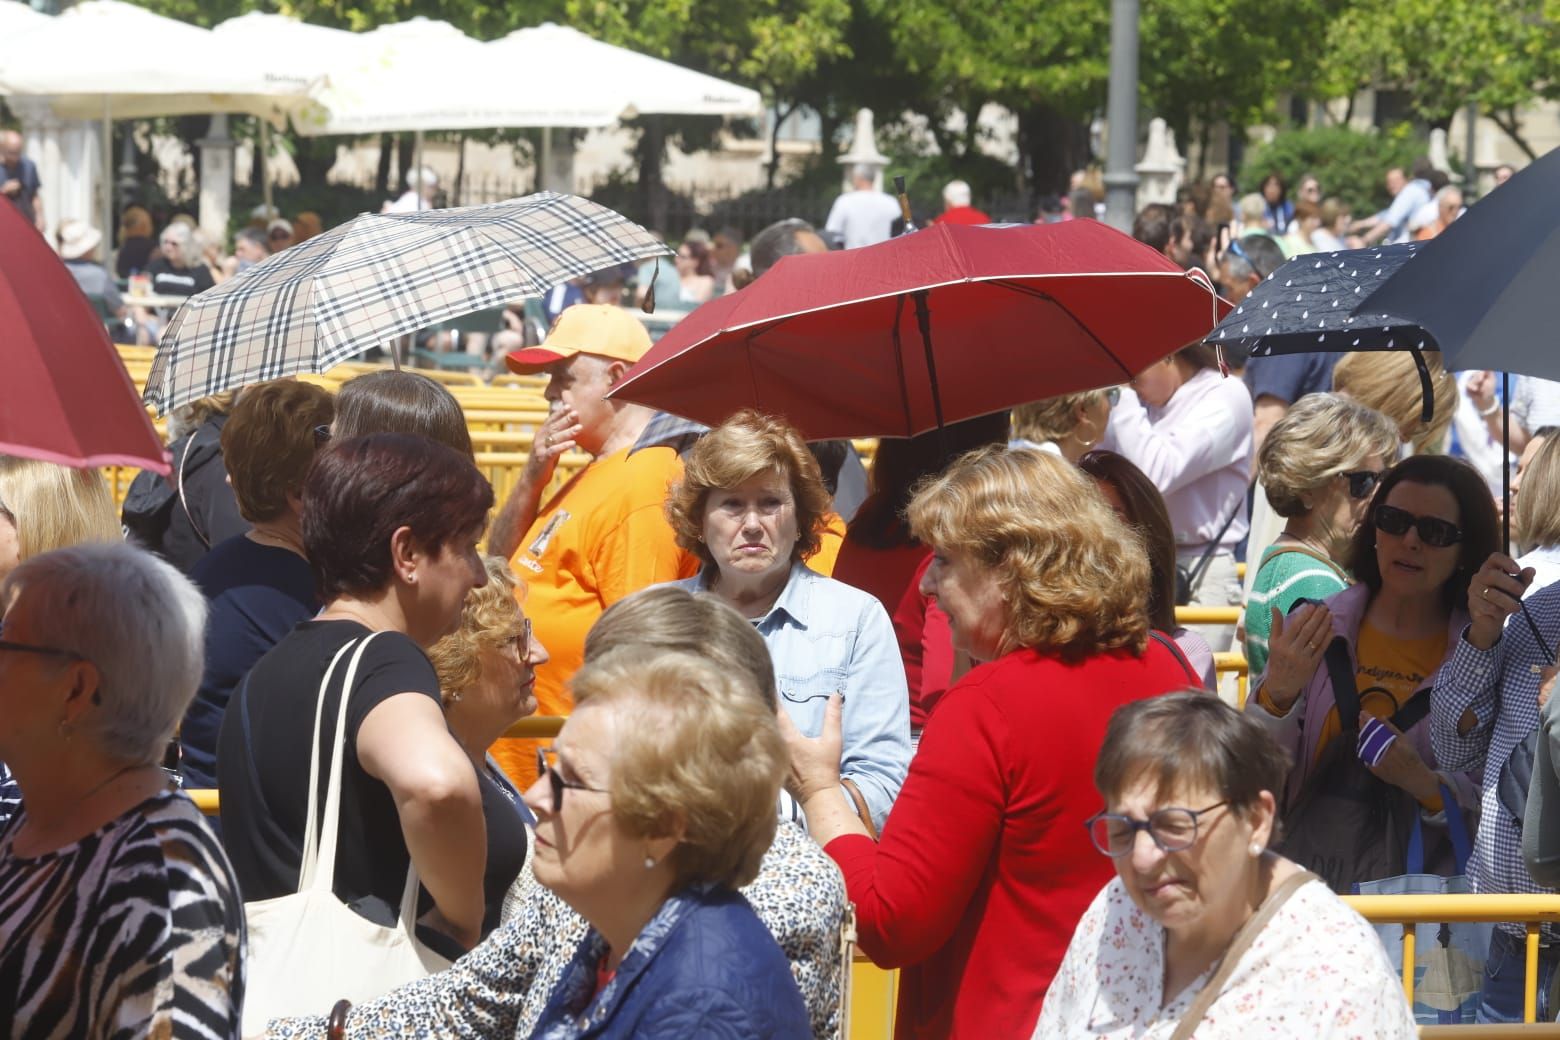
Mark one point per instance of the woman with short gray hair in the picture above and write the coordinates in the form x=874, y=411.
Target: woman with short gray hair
x=102, y=653
x=180, y=270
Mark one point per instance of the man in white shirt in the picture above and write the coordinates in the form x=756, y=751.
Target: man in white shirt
x=863, y=216
x=1409, y=193
x=421, y=187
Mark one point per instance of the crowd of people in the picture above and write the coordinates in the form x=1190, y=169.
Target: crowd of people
x=952, y=710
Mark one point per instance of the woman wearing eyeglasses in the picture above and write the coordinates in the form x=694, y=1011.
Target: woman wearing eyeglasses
x=656, y=808
x=1318, y=467
x=487, y=679
x=1379, y=644
x=1205, y=930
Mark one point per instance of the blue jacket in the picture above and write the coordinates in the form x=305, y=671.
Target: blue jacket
x=704, y=968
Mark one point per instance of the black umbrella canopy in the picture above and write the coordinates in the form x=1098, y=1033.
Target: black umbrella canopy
x=1484, y=286
x=1307, y=306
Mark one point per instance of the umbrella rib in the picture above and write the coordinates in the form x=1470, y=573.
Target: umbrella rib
x=899, y=362
x=1042, y=295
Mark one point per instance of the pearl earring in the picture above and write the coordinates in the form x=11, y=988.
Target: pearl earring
x=649, y=862
x=1256, y=850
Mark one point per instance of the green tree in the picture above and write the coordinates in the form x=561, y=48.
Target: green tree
x=1443, y=54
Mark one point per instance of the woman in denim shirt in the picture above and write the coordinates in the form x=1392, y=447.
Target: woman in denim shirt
x=750, y=506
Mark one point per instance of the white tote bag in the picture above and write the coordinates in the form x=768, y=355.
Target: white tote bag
x=309, y=950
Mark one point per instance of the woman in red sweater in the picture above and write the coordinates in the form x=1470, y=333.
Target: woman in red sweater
x=984, y=866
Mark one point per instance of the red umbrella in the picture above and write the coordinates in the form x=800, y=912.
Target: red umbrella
x=941, y=325
x=66, y=396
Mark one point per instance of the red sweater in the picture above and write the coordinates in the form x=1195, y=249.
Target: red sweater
x=984, y=867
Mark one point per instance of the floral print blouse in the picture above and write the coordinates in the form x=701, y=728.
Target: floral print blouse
x=1317, y=970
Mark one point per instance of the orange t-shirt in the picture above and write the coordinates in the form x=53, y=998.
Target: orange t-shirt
x=829, y=541
x=603, y=536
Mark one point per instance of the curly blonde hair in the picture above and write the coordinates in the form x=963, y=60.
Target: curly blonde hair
x=490, y=618
x=696, y=748
x=1321, y=436
x=745, y=445
x=1075, y=577
x=1388, y=381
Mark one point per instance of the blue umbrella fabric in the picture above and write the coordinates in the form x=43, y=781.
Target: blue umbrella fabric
x=1307, y=306
x=1484, y=286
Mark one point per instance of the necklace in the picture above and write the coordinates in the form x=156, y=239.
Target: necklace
x=95, y=788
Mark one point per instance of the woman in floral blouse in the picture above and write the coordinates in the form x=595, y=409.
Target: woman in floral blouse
x=1189, y=786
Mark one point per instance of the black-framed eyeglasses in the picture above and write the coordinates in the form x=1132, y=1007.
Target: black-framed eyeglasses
x=322, y=435
x=549, y=768
x=43, y=651
x=1361, y=482
x=1173, y=829
x=1432, y=529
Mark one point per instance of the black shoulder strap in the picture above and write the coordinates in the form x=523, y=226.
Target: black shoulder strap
x=1413, y=712
x=1345, y=694
x=1170, y=644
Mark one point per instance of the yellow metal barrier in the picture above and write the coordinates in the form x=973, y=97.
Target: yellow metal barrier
x=1207, y=615
x=1234, y=664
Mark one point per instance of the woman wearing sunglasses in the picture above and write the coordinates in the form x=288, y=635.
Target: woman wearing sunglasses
x=1318, y=466
x=1430, y=527
x=1228, y=938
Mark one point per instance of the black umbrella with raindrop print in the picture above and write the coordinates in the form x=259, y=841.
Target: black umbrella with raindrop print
x=1307, y=307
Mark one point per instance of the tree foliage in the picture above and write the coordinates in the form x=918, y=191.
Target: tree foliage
x=1443, y=54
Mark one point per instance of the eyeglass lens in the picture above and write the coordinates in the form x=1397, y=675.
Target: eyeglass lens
x=1432, y=529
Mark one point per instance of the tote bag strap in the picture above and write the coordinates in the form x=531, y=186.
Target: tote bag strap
x=319, y=871
x=1238, y=946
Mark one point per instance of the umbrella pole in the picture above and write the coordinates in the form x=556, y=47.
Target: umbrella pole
x=1505, y=461
x=923, y=321
x=418, y=166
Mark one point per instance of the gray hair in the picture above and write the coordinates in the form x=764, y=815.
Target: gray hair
x=421, y=176
x=189, y=256
x=864, y=172
x=779, y=239
x=1449, y=191
x=957, y=193
x=134, y=617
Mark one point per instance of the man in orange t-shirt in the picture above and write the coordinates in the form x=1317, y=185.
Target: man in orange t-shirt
x=604, y=534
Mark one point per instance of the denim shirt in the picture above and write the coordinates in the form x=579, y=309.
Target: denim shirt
x=825, y=637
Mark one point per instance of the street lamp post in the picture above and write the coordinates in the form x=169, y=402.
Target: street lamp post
x=1121, y=111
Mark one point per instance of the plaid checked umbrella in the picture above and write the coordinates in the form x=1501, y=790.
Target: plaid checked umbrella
x=377, y=277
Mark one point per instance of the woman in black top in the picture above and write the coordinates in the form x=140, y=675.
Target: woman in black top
x=180, y=270
x=390, y=527
x=487, y=672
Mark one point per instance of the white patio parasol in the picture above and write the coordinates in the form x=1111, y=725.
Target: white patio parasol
x=125, y=62
x=559, y=60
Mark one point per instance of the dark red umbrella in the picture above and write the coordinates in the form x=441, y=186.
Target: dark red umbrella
x=66, y=396
x=941, y=325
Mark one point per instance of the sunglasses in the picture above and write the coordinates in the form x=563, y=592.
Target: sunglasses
x=522, y=639
x=322, y=435
x=547, y=766
x=1361, y=482
x=1432, y=529
x=1113, y=396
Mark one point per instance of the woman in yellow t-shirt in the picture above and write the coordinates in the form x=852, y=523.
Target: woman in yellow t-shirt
x=1430, y=526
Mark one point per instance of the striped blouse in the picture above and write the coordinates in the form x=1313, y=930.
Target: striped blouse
x=134, y=931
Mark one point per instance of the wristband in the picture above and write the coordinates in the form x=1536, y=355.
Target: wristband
x=1485, y=413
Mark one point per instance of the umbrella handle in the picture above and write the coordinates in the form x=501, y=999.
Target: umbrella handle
x=1427, y=406
x=904, y=203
